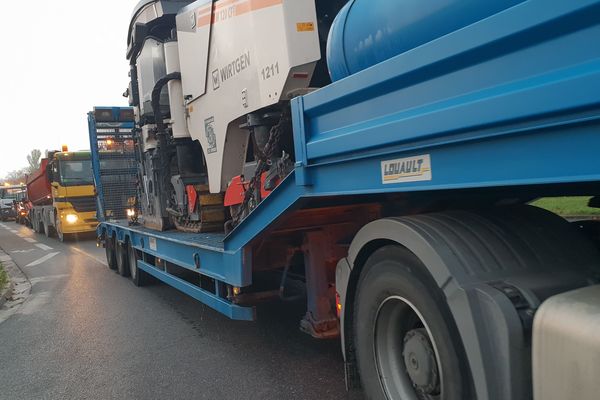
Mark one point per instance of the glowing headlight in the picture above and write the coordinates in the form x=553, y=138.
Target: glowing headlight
x=71, y=218
x=130, y=212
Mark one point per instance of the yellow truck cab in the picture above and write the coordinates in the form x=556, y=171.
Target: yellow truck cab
x=73, y=194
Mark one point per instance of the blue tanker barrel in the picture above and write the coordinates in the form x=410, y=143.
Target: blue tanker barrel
x=367, y=32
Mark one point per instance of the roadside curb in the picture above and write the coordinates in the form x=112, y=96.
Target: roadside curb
x=18, y=285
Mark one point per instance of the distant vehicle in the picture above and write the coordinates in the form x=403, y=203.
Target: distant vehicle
x=7, y=210
x=62, y=196
x=22, y=208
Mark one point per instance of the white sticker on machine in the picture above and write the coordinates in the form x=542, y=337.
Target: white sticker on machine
x=152, y=243
x=409, y=169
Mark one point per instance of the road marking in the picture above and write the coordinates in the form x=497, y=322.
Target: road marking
x=43, y=246
x=101, y=261
x=48, y=278
x=21, y=235
x=23, y=251
x=13, y=231
x=30, y=240
x=43, y=259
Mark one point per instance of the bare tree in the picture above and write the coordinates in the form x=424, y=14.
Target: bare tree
x=17, y=176
x=33, y=158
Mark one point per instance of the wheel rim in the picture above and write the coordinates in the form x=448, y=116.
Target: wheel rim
x=406, y=355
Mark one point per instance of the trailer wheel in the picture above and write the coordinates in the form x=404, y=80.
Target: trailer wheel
x=407, y=344
x=138, y=277
x=122, y=259
x=109, y=248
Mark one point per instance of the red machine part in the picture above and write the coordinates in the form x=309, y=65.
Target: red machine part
x=39, y=191
x=192, y=198
x=237, y=188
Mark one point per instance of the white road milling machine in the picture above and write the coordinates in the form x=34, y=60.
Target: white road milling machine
x=210, y=84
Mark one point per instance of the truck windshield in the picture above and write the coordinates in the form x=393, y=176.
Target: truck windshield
x=76, y=172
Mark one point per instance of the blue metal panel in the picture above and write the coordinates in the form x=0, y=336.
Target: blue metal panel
x=96, y=167
x=300, y=143
x=529, y=61
x=93, y=127
x=230, y=310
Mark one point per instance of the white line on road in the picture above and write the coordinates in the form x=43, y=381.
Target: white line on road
x=41, y=260
x=22, y=251
x=43, y=246
x=101, y=261
x=30, y=240
x=13, y=231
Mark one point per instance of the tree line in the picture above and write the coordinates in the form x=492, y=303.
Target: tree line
x=20, y=175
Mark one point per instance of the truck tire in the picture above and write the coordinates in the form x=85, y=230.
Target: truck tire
x=47, y=229
x=138, y=277
x=38, y=226
x=122, y=259
x=109, y=248
x=407, y=343
x=62, y=237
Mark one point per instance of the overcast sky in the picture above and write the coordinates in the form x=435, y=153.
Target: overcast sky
x=60, y=58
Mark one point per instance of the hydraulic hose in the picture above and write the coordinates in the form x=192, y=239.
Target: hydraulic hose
x=163, y=153
x=160, y=126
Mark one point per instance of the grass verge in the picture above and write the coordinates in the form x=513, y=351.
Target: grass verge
x=3, y=277
x=568, y=206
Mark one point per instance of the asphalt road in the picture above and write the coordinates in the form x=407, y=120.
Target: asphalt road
x=85, y=332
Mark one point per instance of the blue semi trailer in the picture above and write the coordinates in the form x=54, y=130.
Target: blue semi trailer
x=403, y=219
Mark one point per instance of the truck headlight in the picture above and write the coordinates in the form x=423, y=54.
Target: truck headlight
x=71, y=218
x=130, y=212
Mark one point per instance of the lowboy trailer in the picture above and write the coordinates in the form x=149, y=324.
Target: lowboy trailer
x=405, y=221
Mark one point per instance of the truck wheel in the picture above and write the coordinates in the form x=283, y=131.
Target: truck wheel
x=47, y=229
x=38, y=226
x=122, y=259
x=138, y=277
x=109, y=248
x=407, y=344
x=62, y=237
